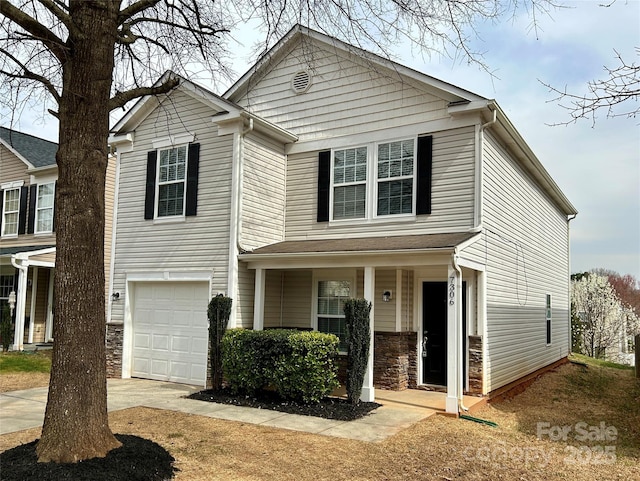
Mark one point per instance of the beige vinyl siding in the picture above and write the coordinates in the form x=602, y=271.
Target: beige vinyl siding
x=288, y=298
x=11, y=167
x=385, y=312
x=524, y=247
x=407, y=301
x=196, y=243
x=263, y=199
x=347, y=96
x=452, y=195
x=245, y=294
x=109, y=196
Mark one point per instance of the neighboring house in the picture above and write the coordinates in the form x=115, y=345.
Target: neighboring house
x=326, y=173
x=28, y=175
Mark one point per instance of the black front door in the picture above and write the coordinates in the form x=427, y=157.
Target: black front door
x=434, y=333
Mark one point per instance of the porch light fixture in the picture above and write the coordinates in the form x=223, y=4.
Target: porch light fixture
x=12, y=301
x=386, y=296
x=115, y=296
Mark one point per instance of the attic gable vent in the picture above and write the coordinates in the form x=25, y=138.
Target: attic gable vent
x=301, y=82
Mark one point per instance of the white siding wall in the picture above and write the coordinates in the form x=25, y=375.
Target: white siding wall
x=245, y=296
x=385, y=312
x=200, y=242
x=524, y=247
x=288, y=298
x=263, y=192
x=347, y=96
x=452, y=194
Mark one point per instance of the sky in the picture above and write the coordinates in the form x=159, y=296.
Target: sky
x=596, y=165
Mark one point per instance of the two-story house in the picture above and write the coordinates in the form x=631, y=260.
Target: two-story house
x=324, y=173
x=28, y=174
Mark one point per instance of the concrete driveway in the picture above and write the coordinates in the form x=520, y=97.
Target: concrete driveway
x=21, y=410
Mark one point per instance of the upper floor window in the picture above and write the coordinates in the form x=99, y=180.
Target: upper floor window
x=349, y=183
x=395, y=177
x=10, y=212
x=44, y=208
x=375, y=181
x=172, y=182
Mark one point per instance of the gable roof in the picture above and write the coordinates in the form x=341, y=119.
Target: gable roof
x=448, y=91
x=33, y=151
x=461, y=101
x=225, y=110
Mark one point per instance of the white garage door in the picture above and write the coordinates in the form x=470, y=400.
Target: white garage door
x=170, y=331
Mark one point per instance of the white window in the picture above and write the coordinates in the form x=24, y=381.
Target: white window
x=350, y=183
x=10, y=212
x=44, y=207
x=331, y=297
x=388, y=191
x=395, y=162
x=172, y=167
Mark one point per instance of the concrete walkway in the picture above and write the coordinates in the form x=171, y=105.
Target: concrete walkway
x=25, y=409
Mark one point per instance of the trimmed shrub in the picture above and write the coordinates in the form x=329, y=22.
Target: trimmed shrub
x=218, y=313
x=356, y=312
x=6, y=328
x=299, y=365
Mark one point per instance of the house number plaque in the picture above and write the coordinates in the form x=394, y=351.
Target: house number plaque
x=452, y=290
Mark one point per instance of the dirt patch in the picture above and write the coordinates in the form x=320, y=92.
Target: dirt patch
x=137, y=459
x=23, y=380
x=328, y=408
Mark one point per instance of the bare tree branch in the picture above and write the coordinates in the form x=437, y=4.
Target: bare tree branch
x=621, y=86
x=28, y=74
x=120, y=99
x=35, y=28
x=60, y=10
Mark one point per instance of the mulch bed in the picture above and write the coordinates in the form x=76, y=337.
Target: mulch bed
x=138, y=459
x=329, y=408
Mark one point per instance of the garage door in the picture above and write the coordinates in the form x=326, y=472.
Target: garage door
x=170, y=331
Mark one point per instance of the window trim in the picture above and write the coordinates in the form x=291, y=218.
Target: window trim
x=414, y=176
x=372, y=184
x=156, y=216
x=4, y=211
x=339, y=275
x=39, y=209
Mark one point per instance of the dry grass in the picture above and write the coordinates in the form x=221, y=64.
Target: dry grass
x=438, y=448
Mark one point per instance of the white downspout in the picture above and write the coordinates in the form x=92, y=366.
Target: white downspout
x=235, y=245
x=18, y=341
x=459, y=317
x=479, y=198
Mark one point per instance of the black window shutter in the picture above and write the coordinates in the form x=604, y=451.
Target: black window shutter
x=425, y=161
x=22, y=214
x=33, y=196
x=150, y=193
x=324, y=180
x=193, y=163
x=55, y=195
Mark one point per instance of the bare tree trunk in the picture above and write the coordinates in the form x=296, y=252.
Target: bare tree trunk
x=76, y=424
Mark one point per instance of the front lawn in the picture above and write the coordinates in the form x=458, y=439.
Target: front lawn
x=14, y=362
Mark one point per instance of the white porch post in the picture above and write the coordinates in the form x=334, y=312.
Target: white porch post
x=453, y=343
x=368, y=392
x=32, y=311
x=21, y=301
x=258, y=302
x=48, y=329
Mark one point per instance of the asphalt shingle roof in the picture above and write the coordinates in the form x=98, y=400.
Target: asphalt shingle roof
x=370, y=244
x=39, y=152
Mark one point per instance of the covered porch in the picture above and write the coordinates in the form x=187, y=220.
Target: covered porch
x=26, y=278
x=426, y=318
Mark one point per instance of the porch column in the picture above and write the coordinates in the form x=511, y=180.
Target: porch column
x=258, y=300
x=368, y=393
x=454, y=305
x=48, y=329
x=32, y=311
x=21, y=301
